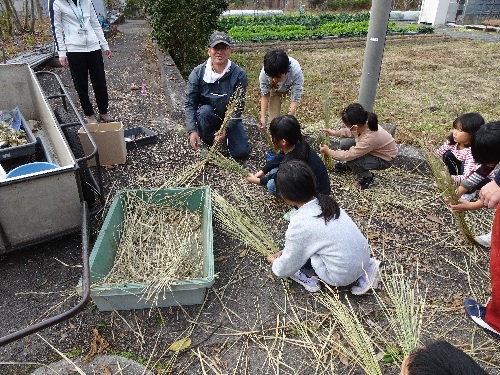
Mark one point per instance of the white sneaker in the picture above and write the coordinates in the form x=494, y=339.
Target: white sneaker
x=369, y=279
x=468, y=197
x=484, y=240
x=310, y=283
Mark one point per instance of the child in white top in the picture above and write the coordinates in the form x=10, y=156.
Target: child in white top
x=321, y=240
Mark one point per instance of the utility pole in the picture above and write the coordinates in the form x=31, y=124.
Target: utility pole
x=374, y=52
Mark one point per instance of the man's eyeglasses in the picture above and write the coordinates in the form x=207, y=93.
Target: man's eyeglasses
x=221, y=47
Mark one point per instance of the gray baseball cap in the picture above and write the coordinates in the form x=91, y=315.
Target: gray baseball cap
x=218, y=37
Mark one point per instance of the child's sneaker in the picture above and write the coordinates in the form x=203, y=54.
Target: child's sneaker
x=312, y=284
x=468, y=196
x=477, y=313
x=365, y=182
x=369, y=279
x=484, y=240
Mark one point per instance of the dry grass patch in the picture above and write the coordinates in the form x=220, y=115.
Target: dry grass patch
x=425, y=82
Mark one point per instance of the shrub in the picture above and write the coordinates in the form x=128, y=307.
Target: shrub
x=132, y=7
x=182, y=28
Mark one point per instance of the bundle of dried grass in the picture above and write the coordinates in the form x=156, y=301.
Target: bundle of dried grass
x=325, y=139
x=234, y=108
x=228, y=164
x=405, y=317
x=160, y=243
x=446, y=186
x=360, y=348
x=187, y=176
x=241, y=226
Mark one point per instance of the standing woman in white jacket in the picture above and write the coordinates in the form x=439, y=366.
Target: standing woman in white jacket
x=79, y=39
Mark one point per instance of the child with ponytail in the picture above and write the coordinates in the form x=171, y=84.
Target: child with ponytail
x=321, y=242
x=364, y=145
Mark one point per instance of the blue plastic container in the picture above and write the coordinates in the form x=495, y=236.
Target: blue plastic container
x=39, y=166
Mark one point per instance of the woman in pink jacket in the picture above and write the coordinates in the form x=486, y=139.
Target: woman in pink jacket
x=364, y=146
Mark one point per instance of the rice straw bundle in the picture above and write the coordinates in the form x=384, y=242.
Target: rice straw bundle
x=234, y=107
x=186, y=177
x=159, y=244
x=325, y=139
x=228, y=164
x=405, y=319
x=242, y=227
x=446, y=186
x=360, y=347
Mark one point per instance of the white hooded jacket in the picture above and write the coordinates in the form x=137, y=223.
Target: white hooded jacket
x=75, y=27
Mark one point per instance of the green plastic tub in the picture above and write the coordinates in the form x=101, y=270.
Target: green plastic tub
x=132, y=295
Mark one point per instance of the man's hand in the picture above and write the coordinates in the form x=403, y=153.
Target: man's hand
x=194, y=140
x=219, y=137
x=108, y=53
x=490, y=194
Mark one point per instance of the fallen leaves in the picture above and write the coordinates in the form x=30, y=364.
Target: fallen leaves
x=97, y=346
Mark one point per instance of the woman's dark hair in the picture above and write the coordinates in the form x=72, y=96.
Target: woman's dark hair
x=276, y=63
x=355, y=114
x=287, y=127
x=442, y=358
x=295, y=181
x=485, y=144
x=469, y=123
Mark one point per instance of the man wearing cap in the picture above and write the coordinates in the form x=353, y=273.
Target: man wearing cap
x=209, y=88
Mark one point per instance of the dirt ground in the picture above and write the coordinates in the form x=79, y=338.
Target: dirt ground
x=251, y=322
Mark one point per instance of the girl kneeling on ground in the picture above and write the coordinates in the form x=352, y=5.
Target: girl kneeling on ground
x=364, y=146
x=321, y=242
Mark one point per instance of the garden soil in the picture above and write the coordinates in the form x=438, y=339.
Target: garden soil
x=250, y=322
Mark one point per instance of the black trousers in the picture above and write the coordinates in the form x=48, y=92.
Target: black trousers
x=85, y=64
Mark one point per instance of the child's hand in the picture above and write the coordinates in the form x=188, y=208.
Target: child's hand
x=328, y=132
x=324, y=149
x=261, y=126
x=461, y=191
x=462, y=205
x=253, y=179
x=272, y=258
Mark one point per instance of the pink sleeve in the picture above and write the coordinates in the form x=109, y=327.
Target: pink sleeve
x=445, y=147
